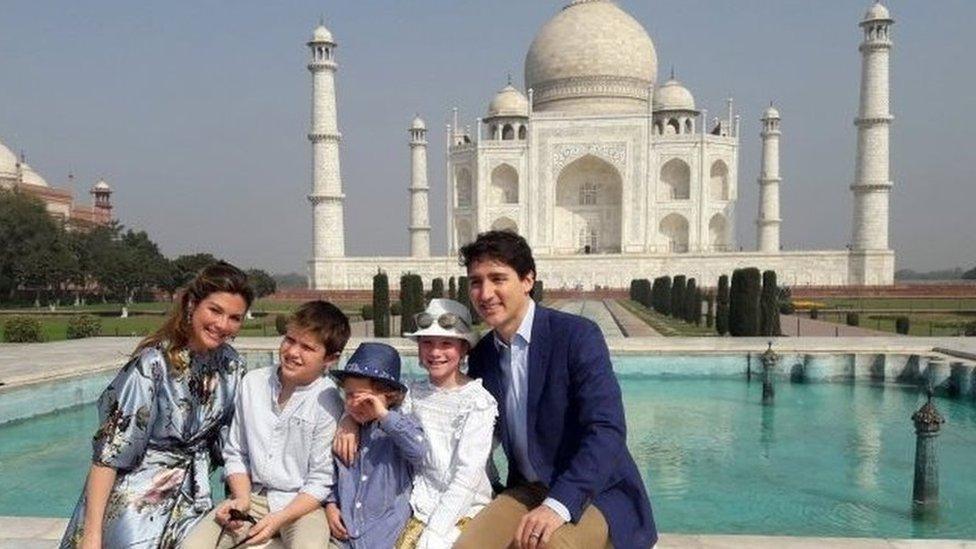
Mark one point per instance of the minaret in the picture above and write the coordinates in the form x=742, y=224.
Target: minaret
x=102, y=204
x=767, y=224
x=872, y=183
x=419, y=222
x=328, y=232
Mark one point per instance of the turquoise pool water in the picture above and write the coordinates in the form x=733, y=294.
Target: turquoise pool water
x=826, y=460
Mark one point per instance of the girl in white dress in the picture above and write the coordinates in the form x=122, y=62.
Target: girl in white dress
x=458, y=417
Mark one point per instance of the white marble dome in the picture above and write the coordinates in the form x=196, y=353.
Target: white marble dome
x=30, y=177
x=321, y=34
x=418, y=124
x=770, y=113
x=673, y=96
x=877, y=12
x=101, y=186
x=8, y=162
x=508, y=102
x=591, y=57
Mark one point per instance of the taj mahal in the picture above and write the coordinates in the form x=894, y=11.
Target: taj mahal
x=607, y=173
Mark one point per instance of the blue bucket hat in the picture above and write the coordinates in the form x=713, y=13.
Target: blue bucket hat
x=376, y=361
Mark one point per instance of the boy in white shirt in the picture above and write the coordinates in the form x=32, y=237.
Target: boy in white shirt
x=278, y=457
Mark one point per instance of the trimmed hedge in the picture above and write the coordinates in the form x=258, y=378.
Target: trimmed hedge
x=710, y=310
x=744, y=302
x=84, y=325
x=451, y=288
x=281, y=323
x=381, y=305
x=677, y=296
x=902, y=325
x=691, y=308
x=411, y=301
x=437, y=288
x=769, y=305
x=22, y=329
x=367, y=311
x=664, y=297
x=853, y=319
x=538, y=291
x=464, y=297
x=722, y=306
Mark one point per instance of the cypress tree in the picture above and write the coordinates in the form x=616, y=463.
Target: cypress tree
x=744, y=302
x=699, y=298
x=678, y=296
x=769, y=305
x=538, y=291
x=656, y=294
x=710, y=310
x=722, y=306
x=437, y=288
x=665, y=295
x=452, y=288
x=407, y=323
x=691, y=308
x=634, y=285
x=464, y=297
x=381, y=305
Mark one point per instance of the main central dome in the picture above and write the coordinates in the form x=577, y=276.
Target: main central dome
x=592, y=57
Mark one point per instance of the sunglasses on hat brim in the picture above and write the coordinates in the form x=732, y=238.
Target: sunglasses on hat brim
x=447, y=321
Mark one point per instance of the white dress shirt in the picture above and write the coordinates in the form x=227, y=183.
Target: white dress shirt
x=285, y=450
x=514, y=362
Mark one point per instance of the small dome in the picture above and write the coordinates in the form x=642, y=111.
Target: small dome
x=101, y=186
x=877, y=12
x=673, y=96
x=418, y=123
x=591, y=57
x=30, y=177
x=321, y=34
x=770, y=113
x=8, y=162
x=508, y=102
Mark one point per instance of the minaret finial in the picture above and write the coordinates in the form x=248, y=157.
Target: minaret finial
x=672, y=71
x=509, y=79
x=321, y=20
x=23, y=157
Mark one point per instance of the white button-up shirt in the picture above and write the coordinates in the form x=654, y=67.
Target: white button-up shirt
x=514, y=362
x=285, y=450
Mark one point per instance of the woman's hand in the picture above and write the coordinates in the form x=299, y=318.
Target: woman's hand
x=223, y=512
x=346, y=440
x=336, y=525
x=265, y=528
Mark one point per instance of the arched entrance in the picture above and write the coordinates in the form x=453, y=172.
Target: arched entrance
x=588, y=207
x=674, y=233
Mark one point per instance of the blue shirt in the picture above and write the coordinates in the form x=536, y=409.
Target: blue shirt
x=373, y=493
x=514, y=362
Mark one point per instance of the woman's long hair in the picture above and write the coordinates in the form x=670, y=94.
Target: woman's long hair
x=174, y=335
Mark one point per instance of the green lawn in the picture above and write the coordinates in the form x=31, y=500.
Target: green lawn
x=920, y=324
x=907, y=304
x=666, y=325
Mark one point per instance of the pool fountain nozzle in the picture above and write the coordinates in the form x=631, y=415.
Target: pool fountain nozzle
x=928, y=422
x=769, y=361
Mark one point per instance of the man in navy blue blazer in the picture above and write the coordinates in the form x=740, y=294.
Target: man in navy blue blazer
x=571, y=480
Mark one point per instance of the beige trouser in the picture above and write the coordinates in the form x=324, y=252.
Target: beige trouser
x=494, y=527
x=309, y=532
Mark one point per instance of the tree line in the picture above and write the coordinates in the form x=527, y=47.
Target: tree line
x=42, y=260
x=749, y=306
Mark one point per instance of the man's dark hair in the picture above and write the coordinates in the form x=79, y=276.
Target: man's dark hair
x=504, y=247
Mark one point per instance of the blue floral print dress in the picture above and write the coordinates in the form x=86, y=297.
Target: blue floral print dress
x=163, y=431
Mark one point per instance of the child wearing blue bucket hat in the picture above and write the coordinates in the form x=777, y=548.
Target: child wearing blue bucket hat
x=370, y=502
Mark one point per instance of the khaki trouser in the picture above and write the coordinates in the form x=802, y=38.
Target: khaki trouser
x=494, y=527
x=311, y=531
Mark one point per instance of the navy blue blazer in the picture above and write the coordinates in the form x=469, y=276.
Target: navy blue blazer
x=576, y=428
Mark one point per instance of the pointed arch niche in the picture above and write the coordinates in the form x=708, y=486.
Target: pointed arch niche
x=674, y=233
x=588, y=213
x=504, y=185
x=675, y=180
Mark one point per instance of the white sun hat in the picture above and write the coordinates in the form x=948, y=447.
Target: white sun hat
x=445, y=318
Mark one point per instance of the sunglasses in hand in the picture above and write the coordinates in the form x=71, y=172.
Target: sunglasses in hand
x=240, y=516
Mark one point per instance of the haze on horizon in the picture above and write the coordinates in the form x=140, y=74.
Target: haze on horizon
x=196, y=113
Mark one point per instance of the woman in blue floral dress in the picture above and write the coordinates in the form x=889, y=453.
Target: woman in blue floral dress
x=163, y=417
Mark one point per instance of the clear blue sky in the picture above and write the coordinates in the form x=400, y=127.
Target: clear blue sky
x=196, y=112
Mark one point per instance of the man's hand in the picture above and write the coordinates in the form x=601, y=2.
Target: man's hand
x=223, y=512
x=346, y=440
x=537, y=527
x=336, y=526
x=265, y=528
